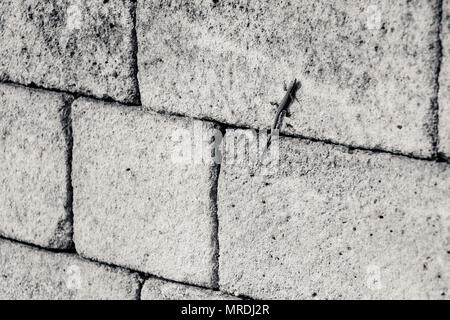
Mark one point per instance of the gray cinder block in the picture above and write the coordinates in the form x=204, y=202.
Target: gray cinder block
x=334, y=223
x=30, y=273
x=367, y=68
x=34, y=146
x=133, y=205
x=155, y=289
x=76, y=45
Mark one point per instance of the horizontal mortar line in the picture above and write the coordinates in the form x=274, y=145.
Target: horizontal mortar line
x=217, y=290
x=226, y=125
x=144, y=275
x=75, y=94
x=36, y=246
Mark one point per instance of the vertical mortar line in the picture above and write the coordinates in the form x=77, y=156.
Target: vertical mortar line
x=66, y=120
x=142, y=279
x=435, y=99
x=218, y=158
x=215, y=235
x=134, y=44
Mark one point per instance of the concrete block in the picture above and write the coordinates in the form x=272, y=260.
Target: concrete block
x=155, y=289
x=34, y=201
x=335, y=224
x=444, y=84
x=134, y=205
x=367, y=68
x=29, y=273
x=72, y=45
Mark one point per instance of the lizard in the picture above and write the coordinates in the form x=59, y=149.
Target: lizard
x=288, y=98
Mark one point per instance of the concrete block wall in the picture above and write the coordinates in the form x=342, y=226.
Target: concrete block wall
x=95, y=96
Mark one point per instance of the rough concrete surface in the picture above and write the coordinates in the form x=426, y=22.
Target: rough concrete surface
x=444, y=83
x=334, y=223
x=155, y=289
x=133, y=205
x=367, y=68
x=74, y=45
x=34, y=203
x=29, y=273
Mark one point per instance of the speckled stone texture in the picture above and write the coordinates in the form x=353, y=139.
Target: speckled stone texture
x=444, y=84
x=29, y=273
x=135, y=207
x=34, y=203
x=367, y=68
x=73, y=45
x=334, y=223
x=155, y=289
